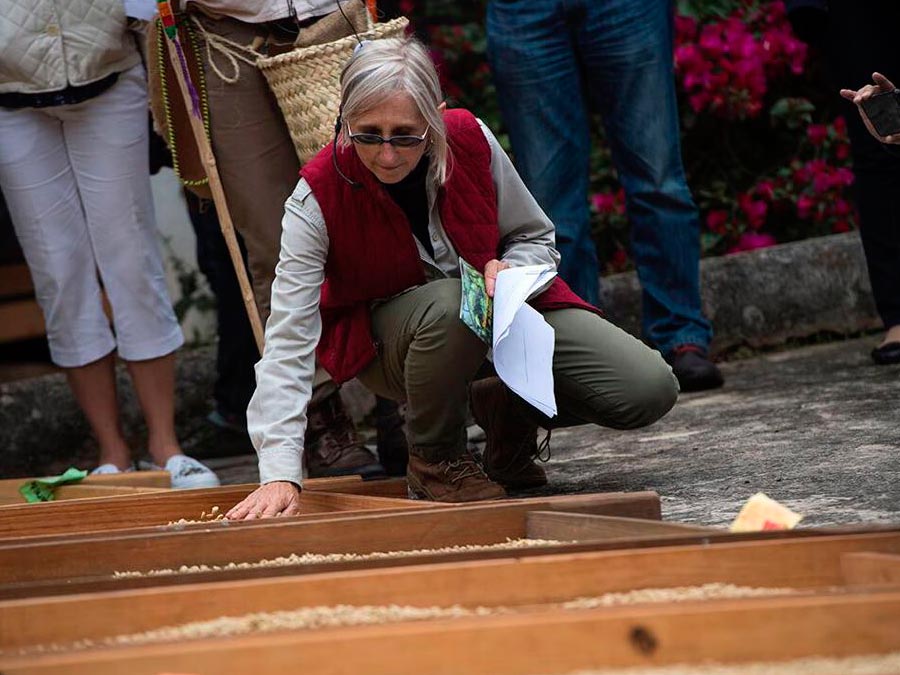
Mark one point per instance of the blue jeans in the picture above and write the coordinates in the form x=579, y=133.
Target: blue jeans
x=556, y=62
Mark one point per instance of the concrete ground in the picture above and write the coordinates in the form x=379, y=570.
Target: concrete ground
x=817, y=428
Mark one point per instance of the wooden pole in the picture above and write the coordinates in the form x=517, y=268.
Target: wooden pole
x=215, y=184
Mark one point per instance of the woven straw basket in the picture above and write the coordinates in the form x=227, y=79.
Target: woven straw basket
x=306, y=84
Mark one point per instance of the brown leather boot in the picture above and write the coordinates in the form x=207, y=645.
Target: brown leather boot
x=511, y=438
x=332, y=447
x=453, y=480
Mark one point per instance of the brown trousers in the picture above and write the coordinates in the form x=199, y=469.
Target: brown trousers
x=254, y=153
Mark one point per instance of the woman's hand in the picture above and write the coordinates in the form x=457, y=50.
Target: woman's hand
x=882, y=84
x=491, y=269
x=279, y=498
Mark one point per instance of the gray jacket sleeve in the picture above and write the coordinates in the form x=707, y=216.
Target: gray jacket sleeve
x=276, y=416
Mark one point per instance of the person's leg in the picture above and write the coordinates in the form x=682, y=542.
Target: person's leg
x=44, y=203
x=390, y=436
x=236, y=351
x=427, y=357
x=331, y=445
x=94, y=387
x=254, y=154
x=531, y=46
x=107, y=141
x=602, y=375
x=626, y=46
x=154, y=384
x=861, y=42
x=45, y=206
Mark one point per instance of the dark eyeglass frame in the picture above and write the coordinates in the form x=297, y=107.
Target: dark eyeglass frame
x=404, y=141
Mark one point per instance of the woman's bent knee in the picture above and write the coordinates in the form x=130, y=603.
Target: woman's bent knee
x=652, y=393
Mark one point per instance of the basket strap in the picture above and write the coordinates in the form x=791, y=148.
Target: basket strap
x=230, y=50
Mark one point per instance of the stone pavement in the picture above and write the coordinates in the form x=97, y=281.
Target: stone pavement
x=817, y=428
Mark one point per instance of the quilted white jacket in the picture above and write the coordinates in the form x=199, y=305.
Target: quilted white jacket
x=46, y=45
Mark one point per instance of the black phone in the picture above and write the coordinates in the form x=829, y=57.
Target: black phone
x=883, y=110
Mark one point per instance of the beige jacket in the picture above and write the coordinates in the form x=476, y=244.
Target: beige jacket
x=46, y=45
x=260, y=11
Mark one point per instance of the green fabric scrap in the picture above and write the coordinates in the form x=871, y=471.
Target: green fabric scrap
x=41, y=489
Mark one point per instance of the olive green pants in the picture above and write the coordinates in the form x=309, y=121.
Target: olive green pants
x=427, y=357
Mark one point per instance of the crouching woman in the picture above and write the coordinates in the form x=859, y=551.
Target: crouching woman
x=368, y=281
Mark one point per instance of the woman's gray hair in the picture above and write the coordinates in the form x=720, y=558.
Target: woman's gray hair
x=380, y=69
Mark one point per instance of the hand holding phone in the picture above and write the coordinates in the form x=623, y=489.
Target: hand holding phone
x=883, y=111
x=879, y=107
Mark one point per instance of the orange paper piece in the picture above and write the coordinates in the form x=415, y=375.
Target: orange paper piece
x=764, y=513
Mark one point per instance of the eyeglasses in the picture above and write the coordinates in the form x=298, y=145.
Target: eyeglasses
x=396, y=141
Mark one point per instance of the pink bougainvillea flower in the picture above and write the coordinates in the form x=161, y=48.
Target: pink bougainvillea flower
x=805, y=205
x=841, y=207
x=619, y=258
x=840, y=226
x=604, y=202
x=754, y=209
x=685, y=28
x=822, y=182
x=840, y=127
x=716, y=221
x=844, y=176
x=750, y=241
x=817, y=133
x=724, y=66
x=766, y=190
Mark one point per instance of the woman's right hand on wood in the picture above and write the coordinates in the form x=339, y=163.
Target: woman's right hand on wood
x=278, y=498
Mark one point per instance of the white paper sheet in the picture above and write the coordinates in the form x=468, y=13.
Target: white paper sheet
x=140, y=9
x=523, y=340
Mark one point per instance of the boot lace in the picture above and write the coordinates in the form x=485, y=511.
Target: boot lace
x=541, y=454
x=461, y=468
x=543, y=451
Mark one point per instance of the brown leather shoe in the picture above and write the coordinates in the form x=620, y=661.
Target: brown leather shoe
x=511, y=438
x=332, y=447
x=452, y=480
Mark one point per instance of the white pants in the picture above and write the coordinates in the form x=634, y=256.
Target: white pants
x=77, y=184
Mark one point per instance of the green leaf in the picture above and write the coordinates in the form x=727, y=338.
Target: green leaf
x=792, y=112
x=709, y=241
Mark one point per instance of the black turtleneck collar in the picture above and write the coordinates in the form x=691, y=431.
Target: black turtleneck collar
x=412, y=197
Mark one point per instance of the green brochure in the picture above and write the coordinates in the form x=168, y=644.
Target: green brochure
x=476, y=309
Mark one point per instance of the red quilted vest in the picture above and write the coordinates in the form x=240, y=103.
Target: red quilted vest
x=372, y=253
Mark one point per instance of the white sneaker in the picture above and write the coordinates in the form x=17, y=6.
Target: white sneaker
x=110, y=468
x=188, y=473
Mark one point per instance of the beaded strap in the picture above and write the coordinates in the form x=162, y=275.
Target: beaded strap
x=201, y=87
